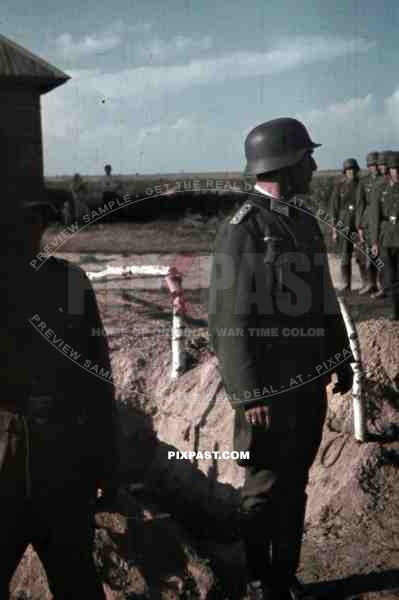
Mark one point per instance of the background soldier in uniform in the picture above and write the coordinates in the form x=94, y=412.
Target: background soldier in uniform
x=111, y=190
x=80, y=194
x=384, y=228
x=365, y=194
x=250, y=275
x=57, y=434
x=377, y=197
x=344, y=208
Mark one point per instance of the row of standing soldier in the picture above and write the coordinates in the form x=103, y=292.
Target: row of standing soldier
x=369, y=208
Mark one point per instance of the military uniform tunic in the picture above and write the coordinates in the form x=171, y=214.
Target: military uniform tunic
x=365, y=197
x=366, y=194
x=384, y=229
x=250, y=314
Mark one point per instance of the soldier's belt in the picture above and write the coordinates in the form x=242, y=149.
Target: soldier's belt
x=351, y=207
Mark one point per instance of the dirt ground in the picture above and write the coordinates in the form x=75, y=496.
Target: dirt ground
x=173, y=531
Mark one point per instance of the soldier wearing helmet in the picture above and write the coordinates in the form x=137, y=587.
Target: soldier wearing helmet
x=382, y=182
x=344, y=207
x=250, y=293
x=384, y=230
x=365, y=194
x=382, y=163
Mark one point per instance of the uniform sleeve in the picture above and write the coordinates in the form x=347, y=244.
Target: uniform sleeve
x=360, y=205
x=334, y=202
x=234, y=271
x=103, y=406
x=375, y=214
x=336, y=337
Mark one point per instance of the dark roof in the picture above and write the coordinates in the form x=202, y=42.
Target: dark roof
x=19, y=65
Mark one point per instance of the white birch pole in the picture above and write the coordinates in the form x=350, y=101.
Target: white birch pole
x=178, y=362
x=359, y=408
x=173, y=282
x=129, y=270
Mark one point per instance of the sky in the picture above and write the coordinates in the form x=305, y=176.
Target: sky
x=166, y=86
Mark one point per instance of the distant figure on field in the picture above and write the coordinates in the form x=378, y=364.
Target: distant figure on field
x=79, y=191
x=67, y=213
x=111, y=184
x=112, y=188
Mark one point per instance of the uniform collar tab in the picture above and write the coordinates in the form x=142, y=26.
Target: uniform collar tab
x=277, y=205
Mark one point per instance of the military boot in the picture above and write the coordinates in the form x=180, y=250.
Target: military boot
x=295, y=591
x=258, y=590
x=394, y=315
x=346, y=276
x=256, y=541
x=287, y=532
x=364, y=276
x=380, y=294
x=368, y=289
x=370, y=286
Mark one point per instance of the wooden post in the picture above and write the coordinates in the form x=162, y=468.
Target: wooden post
x=359, y=408
x=172, y=285
x=176, y=293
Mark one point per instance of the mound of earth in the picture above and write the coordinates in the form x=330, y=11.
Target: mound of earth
x=173, y=531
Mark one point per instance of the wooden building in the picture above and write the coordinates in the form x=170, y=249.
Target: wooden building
x=24, y=77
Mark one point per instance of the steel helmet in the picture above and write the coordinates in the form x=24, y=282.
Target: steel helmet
x=393, y=160
x=350, y=163
x=275, y=145
x=372, y=158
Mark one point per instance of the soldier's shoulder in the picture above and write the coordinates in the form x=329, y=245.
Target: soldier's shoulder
x=369, y=179
x=381, y=179
x=338, y=183
x=242, y=214
x=62, y=266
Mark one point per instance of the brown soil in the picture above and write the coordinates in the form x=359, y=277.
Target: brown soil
x=175, y=537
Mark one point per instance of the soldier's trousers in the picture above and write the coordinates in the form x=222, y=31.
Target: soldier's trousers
x=365, y=265
x=390, y=258
x=57, y=519
x=346, y=266
x=273, y=498
x=374, y=275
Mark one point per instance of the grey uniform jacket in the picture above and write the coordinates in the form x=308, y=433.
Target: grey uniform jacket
x=384, y=215
x=365, y=194
x=251, y=316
